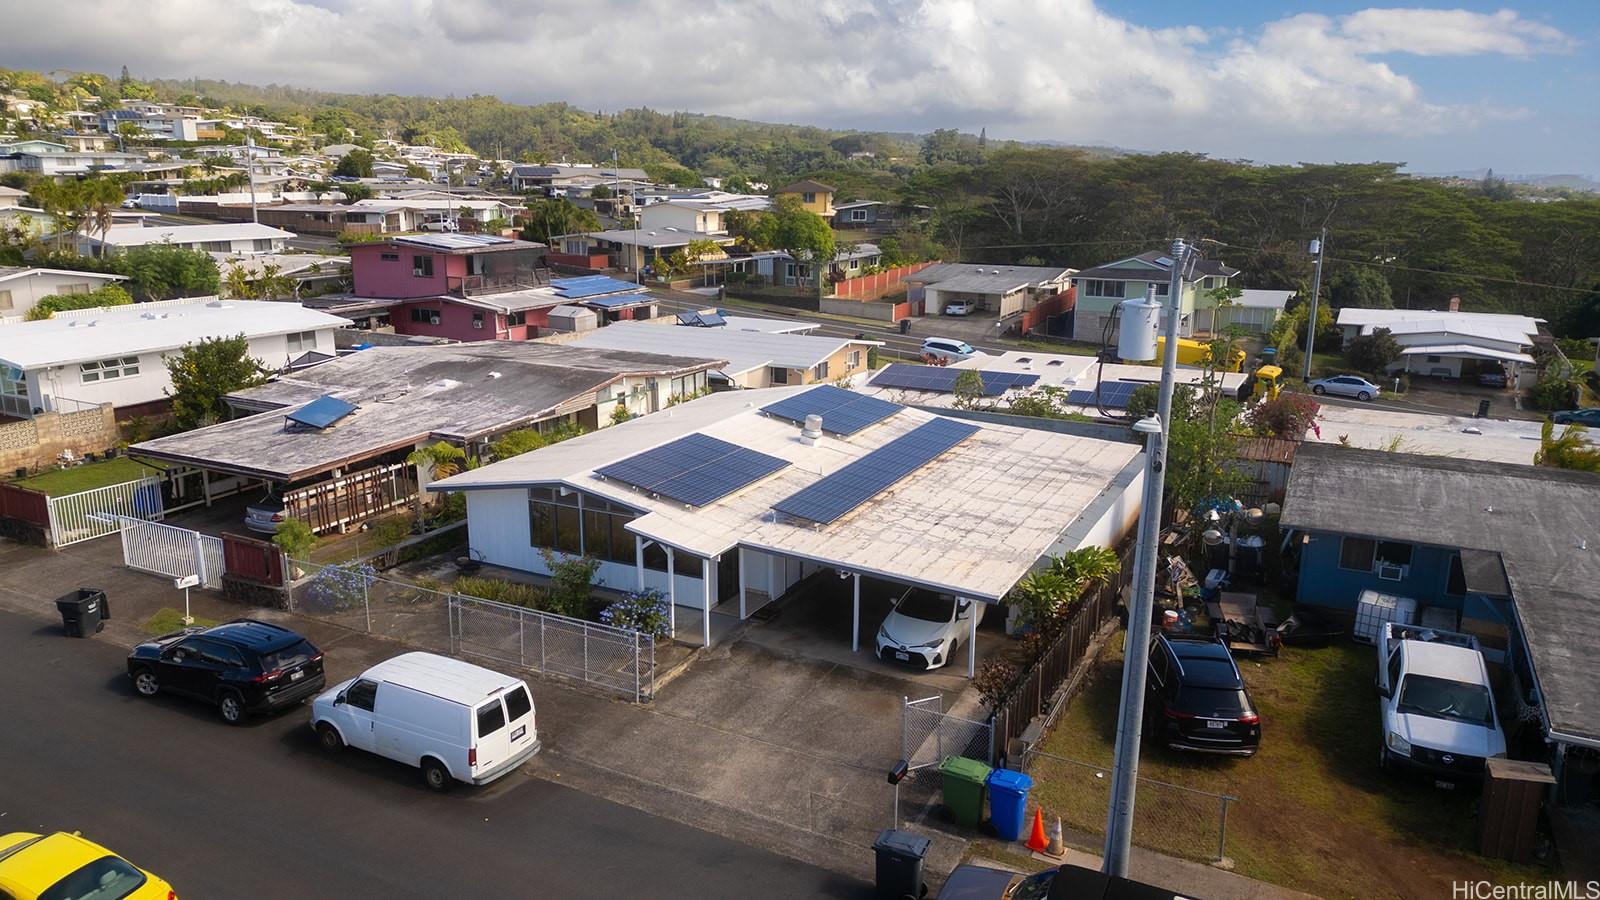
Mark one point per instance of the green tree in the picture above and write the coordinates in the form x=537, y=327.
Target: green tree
x=208, y=371
x=415, y=171
x=1568, y=450
x=295, y=538
x=164, y=271
x=1363, y=287
x=600, y=192
x=1372, y=353
x=355, y=164
x=107, y=295
x=548, y=219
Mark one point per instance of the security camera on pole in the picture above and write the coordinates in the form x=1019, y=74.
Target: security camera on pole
x=1136, y=340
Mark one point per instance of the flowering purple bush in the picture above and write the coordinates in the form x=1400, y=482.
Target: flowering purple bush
x=643, y=611
x=338, y=588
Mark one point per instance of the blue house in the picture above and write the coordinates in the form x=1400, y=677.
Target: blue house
x=1514, y=549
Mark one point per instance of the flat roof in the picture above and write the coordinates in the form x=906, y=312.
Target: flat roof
x=986, y=279
x=1253, y=298
x=744, y=350
x=1468, y=350
x=103, y=332
x=971, y=522
x=658, y=237
x=1388, y=318
x=137, y=235
x=1376, y=428
x=9, y=272
x=1544, y=523
x=446, y=677
x=403, y=395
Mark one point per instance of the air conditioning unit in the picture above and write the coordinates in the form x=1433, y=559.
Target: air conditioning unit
x=477, y=323
x=433, y=320
x=1391, y=572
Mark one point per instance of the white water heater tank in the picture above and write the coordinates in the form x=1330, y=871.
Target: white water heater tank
x=1141, y=320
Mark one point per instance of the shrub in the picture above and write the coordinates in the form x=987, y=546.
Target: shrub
x=1372, y=353
x=1552, y=392
x=337, y=588
x=109, y=295
x=1286, y=417
x=995, y=681
x=295, y=538
x=571, y=583
x=509, y=592
x=643, y=611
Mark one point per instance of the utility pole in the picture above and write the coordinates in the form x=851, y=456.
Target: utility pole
x=1319, y=249
x=1141, y=600
x=250, y=166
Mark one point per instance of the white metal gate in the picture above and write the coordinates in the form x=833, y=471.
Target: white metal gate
x=95, y=513
x=171, y=551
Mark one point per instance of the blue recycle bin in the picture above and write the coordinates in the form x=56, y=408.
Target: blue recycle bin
x=1008, y=802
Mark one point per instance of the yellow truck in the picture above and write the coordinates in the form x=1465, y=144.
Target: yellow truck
x=1195, y=354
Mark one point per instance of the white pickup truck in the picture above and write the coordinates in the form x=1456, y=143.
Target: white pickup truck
x=1437, y=706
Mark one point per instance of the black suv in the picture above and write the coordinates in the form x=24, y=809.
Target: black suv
x=1195, y=699
x=243, y=667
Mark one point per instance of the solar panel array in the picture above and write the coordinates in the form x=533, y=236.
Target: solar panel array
x=620, y=301
x=827, y=500
x=702, y=319
x=942, y=380
x=697, y=469
x=321, y=412
x=454, y=241
x=590, y=286
x=843, y=412
x=1113, y=394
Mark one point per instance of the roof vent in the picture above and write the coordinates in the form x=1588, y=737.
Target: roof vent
x=812, y=432
x=494, y=374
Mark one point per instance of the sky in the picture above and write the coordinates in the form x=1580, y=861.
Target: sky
x=1441, y=88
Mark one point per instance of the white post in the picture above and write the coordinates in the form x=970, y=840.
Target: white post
x=199, y=560
x=705, y=600
x=972, y=637
x=187, y=619
x=855, y=612
x=638, y=559
x=743, y=564
x=672, y=591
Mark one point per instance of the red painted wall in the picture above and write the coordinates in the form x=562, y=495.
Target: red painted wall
x=375, y=276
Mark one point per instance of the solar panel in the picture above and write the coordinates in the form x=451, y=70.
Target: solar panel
x=696, y=469
x=1113, y=394
x=618, y=302
x=942, y=380
x=843, y=412
x=827, y=500
x=454, y=241
x=590, y=286
x=321, y=412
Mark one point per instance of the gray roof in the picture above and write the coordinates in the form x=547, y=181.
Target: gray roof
x=658, y=237
x=1543, y=524
x=985, y=279
x=404, y=395
x=1198, y=268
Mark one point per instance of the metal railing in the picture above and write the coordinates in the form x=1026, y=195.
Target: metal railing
x=95, y=513
x=171, y=551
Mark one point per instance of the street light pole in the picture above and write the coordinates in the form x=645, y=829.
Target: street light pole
x=1141, y=600
x=250, y=166
x=1319, y=249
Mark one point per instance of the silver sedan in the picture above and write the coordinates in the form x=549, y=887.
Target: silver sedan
x=1346, y=386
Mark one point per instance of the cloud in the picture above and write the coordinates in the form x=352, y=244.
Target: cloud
x=1066, y=70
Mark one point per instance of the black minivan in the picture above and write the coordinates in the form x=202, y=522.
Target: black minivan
x=243, y=667
x=1196, y=700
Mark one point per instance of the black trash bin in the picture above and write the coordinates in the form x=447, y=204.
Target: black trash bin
x=900, y=856
x=1483, y=409
x=905, y=326
x=83, y=612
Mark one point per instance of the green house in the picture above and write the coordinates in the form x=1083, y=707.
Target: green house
x=1102, y=287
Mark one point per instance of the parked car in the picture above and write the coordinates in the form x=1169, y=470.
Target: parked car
x=1589, y=417
x=65, y=866
x=453, y=720
x=1196, y=699
x=1346, y=386
x=974, y=882
x=1436, y=703
x=265, y=515
x=444, y=225
x=1495, y=378
x=925, y=629
x=243, y=667
x=948, y=349
x=960, y=307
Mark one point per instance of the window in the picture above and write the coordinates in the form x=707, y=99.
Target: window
x=422, y=315
x=79, y=288
x=107, y=369
x=217, y=246
x=1434, y=359
x=389, y=257
x=1209, y=282
x=261, y=245
x=422, y=266
x=1356, y=554
x=305, y=340
x=491, y=718
x=778, y=375
x=517, y=318
x=855, y=359
x=855, y=263
x=1394, y=667
x=1161, y=288
x=477, y=320
x=858, y=215
x=517, y=703
x=820, y=373
x=5, y=299
x=109, y=877
x=362, y=695
x=809, y=197
x=1456, y=582
x=1096, y=287
x=220, y=654
x=1394, y=553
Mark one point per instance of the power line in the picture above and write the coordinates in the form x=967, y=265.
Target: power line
x=1388, y=265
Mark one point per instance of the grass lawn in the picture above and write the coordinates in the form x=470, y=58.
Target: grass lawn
x=1314, y=812
x=1051, y=347
x=87, y=476
x=167, y=620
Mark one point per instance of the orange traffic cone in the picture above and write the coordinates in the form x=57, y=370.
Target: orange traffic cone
x=1037, y=842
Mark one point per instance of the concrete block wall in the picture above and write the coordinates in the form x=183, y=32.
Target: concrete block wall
x=40, y=441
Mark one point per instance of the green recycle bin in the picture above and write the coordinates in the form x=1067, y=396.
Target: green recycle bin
x=964, y=781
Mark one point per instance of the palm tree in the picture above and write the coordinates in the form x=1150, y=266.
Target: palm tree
x=441, y=460
x=1571, y=450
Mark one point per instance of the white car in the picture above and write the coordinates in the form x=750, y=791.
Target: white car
x=1346, y=386
x=453, y=720
x=960, y=307
x=925, y=629
x=1437, y=706
x=948, y=349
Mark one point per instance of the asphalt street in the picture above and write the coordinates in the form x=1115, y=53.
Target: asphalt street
x=259, y=810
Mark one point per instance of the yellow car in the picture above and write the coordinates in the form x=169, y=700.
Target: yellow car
x=65, y=866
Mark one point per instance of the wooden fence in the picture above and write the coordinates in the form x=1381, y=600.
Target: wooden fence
x=870, y=286
x=1048, y=307
x=260, y=561
x=32, y=507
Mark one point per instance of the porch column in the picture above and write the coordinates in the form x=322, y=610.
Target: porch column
x=672, y=591
x=855, y=610
x=205, y=486
x=972, y=637
x=743, y=565
x=638, y=560
x=705, y=600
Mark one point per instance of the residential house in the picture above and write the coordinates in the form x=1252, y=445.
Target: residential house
x=814, y=196
x=1507, y=552
x=755, y=358
x=22, y=287
x=13, y=214
x=705, y=212
x=229, y=237
x=1000, y=290
x=58, y=161
x=389, y=401
x=876, y=215
x=87, y=143
x=83, y=358
x=546, y=177
x=312, y=272
x=1449, y=343
x=1254, y=311
x=639, y=249
x=973, y=512
x=778, y=267
x=1102, y=288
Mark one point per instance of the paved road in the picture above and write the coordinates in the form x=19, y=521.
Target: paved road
x=259, y=811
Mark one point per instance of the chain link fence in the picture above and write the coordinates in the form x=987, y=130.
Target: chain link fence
x=1167, y=818
x=928, y=734
x=355, y=596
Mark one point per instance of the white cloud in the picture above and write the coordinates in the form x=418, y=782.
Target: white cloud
x=1066, y=70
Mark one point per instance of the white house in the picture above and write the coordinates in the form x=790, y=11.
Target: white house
x=21, y=287
x=227, y=237
x=115, y=354
x=1253, y=310
x=756, y=359
x=705, y=212
x=1448, y=343
x=953, y=507
x=1001, y=289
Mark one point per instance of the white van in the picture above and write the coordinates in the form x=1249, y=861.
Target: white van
x=454, y=720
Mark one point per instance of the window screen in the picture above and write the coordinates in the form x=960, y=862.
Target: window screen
x=1356, y=554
